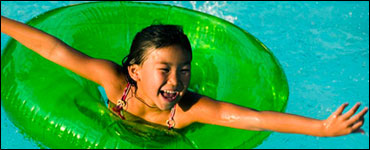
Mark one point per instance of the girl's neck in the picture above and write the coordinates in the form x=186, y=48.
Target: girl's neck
x=141, y=105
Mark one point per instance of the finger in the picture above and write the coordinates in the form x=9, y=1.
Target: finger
x=359, y=131
x=359, y=116
x=340, y=110
x=357, y=125
x=351, y=111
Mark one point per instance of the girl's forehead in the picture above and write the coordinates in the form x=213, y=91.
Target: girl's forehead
x=170, y=55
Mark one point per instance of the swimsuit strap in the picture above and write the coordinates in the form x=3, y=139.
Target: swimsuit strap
x=122, y=102
x=127, y=89
x=171, y=122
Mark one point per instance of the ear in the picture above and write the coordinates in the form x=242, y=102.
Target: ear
x=134, y=72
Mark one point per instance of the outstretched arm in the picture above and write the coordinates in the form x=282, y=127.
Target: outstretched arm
x=101, y=71
x=36, y=40
x=230, y=115
x=336, y=125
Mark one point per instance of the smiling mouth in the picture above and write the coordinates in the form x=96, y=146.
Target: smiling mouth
x=169, y=95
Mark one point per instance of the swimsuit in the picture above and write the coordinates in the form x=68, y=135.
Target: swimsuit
x=122, y=103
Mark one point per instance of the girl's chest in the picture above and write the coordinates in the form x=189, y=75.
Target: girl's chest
x=178, y=120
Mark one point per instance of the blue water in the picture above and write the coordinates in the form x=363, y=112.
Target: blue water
x=322, y=46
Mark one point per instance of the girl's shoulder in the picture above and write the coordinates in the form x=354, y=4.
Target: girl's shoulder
x=193, y=105
x=200, y=108
x=114, y=86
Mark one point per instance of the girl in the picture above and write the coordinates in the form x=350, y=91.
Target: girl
x=152, y=84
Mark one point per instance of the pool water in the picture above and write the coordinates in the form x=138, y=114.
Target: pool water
x=323, y=48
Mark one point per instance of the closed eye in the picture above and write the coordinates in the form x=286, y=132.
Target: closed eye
x=185, y=71
x=164, y=69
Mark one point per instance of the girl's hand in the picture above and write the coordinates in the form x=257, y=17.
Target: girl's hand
x=339, y=124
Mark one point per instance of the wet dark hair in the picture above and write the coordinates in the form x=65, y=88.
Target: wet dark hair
x=154, y=36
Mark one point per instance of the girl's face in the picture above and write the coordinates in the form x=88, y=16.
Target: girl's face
x=164, y=76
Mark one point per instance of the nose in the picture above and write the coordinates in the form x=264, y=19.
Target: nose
x=174, y=80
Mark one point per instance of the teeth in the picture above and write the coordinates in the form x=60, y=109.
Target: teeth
x=171, y=92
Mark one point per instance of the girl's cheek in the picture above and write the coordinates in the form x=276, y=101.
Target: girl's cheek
x=159, y=77
x=186, y=77
x=185, y=83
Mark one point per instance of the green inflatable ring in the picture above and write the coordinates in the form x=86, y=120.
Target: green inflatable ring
x=60, y=109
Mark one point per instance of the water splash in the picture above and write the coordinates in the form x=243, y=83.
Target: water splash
x=214, y=8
